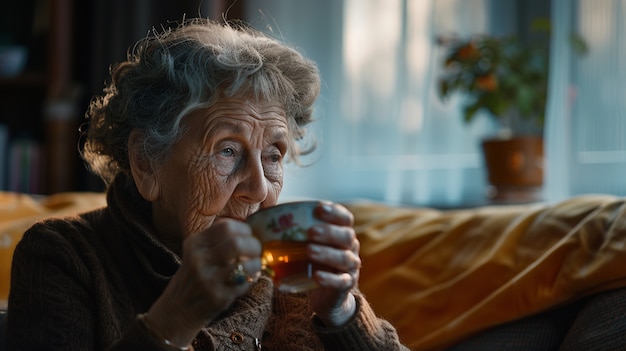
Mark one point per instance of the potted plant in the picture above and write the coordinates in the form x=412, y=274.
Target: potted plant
x=508, y=78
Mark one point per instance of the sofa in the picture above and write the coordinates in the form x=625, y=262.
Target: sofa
x=541, y=276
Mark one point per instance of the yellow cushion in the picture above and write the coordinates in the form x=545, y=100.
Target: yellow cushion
x=440, y=276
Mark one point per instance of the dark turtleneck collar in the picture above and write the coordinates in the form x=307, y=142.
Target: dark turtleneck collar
x=133, y=213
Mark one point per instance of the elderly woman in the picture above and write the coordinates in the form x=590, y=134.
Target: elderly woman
x=190, y=137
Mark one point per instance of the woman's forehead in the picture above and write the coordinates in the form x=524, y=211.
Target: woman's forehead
x=241, y=109
x=239, y=116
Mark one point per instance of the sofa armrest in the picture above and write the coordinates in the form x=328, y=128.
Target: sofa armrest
x=601, y=323
x=542, y=331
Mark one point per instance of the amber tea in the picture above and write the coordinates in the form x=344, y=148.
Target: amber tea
x=287, y=263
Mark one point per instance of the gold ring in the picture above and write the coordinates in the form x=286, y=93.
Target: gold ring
x=238, y=276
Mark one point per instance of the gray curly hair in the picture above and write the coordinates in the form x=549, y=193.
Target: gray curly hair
x=170, y=74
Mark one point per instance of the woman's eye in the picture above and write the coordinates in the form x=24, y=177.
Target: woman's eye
x=228, y=152
x=275, y=158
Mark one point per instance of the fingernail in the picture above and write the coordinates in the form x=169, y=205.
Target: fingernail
x=323, y=275
x=315, y=249
x=327, y=208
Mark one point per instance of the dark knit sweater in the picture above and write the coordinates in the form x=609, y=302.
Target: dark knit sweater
x=79, y=283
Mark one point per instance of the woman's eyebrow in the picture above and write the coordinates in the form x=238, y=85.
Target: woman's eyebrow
x=280, y=134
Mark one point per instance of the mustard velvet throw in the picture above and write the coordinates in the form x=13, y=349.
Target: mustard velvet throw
x=441, y=276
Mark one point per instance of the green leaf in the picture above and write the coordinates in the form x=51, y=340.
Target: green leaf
x=541, y=24
x=444, y=87
x=469, y=112
x=578, y=44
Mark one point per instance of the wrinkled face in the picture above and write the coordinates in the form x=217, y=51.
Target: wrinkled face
x=229, y=163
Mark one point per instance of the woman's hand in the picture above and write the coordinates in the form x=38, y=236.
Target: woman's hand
x=335, y=245
x=201, y=288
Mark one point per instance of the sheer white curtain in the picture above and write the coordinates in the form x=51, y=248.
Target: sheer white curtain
x=586, y=116
x=383, y=132
x=399, y=138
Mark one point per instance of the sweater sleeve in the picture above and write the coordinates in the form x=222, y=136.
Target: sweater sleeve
x=365, y=331
x=51, y=303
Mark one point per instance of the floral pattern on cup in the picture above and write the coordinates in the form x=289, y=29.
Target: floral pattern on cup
x=290, y=230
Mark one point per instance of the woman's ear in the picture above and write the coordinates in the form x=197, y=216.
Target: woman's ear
x=141, y=168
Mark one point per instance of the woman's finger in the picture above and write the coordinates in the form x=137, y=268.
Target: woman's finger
x=337, y=259
x=335, y=236
x=334, y=213
x=339, y=282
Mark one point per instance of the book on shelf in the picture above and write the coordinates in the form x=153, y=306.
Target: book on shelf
x=24, y=173
x=4, y=163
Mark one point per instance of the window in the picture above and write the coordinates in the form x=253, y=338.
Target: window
x=385, y=135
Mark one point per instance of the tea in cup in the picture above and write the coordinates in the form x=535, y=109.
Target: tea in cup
x=282, y=230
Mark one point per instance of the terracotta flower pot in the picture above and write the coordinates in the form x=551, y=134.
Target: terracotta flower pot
x=514, y=168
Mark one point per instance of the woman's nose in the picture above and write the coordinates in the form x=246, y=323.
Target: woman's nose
x=253, y=187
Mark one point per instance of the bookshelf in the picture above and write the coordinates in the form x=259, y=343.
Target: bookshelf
x=21, y=100
x=37, y=115
x=71, y=45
